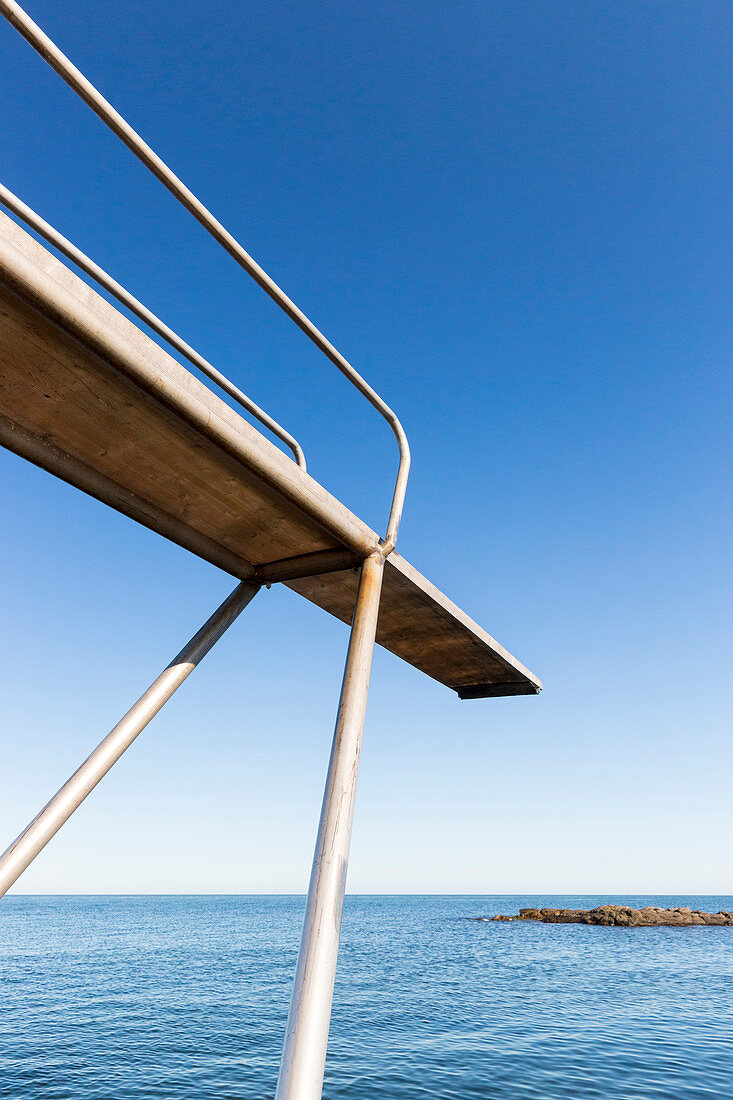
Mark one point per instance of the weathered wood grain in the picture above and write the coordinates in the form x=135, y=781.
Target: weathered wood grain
x=87, y=395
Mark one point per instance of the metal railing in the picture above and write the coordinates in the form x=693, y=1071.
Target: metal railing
x=58, y=61
x=15, y=205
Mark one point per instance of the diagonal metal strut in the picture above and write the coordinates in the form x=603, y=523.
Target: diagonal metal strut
x=306, y=1039
x=55, y=813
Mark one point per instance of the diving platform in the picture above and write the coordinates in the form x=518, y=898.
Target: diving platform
x=90, y=397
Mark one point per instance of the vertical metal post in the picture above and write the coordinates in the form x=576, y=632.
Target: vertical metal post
x=306, y=1036
x=46, y=824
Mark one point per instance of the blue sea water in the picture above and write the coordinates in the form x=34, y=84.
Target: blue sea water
x=115, y=998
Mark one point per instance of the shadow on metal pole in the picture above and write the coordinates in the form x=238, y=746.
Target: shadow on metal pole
x=47, y=823
x=306, y=1036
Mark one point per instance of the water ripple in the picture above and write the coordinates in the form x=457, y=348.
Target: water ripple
x=169, y=998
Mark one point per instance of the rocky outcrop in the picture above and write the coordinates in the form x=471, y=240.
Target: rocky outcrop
x=624, y=916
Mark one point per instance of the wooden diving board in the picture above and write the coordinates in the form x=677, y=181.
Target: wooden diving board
x=88, y=396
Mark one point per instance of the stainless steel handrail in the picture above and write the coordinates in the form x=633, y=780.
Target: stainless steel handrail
x=58, y=61
x=21, y=210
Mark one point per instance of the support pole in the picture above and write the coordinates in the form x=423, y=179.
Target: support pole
x=306, y=1036
x=47, y=823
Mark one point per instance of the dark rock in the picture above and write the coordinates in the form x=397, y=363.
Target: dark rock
x=623, y=916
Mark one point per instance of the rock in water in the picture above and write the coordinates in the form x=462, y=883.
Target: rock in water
x=624, y=916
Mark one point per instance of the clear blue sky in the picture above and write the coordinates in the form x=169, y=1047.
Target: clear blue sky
x=515, y=220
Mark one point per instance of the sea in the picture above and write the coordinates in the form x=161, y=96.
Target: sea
x=172, y=997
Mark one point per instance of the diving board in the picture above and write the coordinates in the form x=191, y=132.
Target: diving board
x=90, y=397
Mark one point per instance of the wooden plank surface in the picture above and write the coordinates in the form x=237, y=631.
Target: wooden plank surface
x=87, y=395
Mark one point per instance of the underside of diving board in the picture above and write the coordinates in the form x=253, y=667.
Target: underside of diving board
x=85, y=394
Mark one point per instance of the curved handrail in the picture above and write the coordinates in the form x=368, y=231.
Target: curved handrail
x=21, y=210
x=58, y=61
